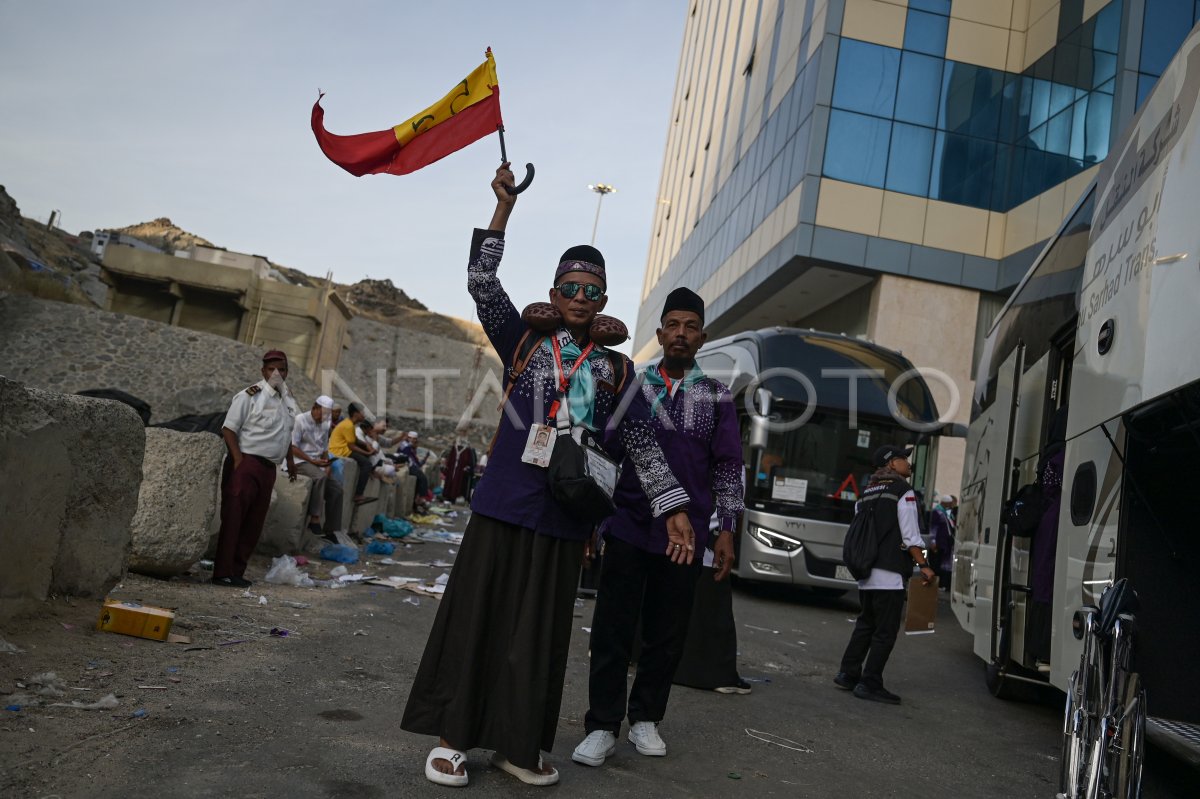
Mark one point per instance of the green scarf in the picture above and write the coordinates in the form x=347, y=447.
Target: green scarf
x=581, y=391
x=653, y=377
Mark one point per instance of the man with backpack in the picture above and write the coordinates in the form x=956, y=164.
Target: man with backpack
x=887, y=516
x=493, y=669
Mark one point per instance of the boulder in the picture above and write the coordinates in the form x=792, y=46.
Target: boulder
x=71, y=468
x=286, y=527
x=181, y=489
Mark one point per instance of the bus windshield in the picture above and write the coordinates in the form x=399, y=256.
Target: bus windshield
x=818, y=469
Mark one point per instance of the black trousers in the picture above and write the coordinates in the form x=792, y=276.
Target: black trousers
x=637, y=584
x=364, y=471
x=422, y=481
x=874, y=635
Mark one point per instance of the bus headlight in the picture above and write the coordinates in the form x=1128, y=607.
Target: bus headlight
x=773, y=539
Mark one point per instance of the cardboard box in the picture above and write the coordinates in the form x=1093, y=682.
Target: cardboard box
x=131, y=618
x=922, y=606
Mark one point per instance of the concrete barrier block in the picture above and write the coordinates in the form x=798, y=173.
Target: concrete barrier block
x=349, y=477
x=35, y=472
x=362, y=515
x=406, y=494
x=178, y=500
x=287, y=519
x=108, y=441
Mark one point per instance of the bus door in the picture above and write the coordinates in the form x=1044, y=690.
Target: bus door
x=1014, y=573
x=989, y=441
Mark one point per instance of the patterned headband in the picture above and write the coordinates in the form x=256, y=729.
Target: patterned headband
x=580, y=266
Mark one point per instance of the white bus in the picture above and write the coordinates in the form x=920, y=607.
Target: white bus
x=1104, y=330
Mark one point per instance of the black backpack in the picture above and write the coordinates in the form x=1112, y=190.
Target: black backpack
x=860, y=549
x=1023, y=513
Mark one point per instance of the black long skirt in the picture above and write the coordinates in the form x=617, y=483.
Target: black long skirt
x=494, y=665
x=710, y=652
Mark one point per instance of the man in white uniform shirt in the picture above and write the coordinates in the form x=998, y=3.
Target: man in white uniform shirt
x=892, y=500
x=310, y=448
x=258, y=434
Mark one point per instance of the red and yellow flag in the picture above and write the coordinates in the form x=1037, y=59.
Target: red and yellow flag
x=470, y=111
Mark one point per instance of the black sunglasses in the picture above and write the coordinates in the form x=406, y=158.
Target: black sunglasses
x=590, y=290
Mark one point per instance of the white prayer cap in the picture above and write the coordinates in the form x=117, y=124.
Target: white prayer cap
x=413, y=434
x=325, y=402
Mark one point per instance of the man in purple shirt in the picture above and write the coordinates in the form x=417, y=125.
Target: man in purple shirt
x=696, y=425
x=493, y=668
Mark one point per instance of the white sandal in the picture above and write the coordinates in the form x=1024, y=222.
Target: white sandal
x=455, y=758
x=523, y=774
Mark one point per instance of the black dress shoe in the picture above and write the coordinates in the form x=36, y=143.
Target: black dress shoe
x=863, y=691
x=845, y=681
x=232, y=582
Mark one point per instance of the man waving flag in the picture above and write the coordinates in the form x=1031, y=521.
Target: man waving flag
x=470, y=111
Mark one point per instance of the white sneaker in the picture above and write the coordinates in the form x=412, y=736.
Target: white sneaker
x=593, y=749
x=645, y=738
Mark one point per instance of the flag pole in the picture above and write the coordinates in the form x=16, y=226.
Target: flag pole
x=529, y=170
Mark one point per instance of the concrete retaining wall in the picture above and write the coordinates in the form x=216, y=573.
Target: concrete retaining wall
x=69, y=348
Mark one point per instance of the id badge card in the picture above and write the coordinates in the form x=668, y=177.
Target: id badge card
x=602, y=469
x=539, y=445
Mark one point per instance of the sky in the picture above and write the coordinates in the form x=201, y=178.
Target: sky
x=118, y=113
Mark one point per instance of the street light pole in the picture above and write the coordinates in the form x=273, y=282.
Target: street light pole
x=601, y=189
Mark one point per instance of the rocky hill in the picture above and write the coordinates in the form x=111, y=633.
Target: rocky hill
x=164, y=234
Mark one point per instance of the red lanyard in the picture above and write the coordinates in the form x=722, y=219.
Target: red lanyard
x=565, y=381
x=666, y=379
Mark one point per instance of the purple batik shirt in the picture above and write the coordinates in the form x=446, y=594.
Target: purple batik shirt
x=516, y=492
x=697, y=430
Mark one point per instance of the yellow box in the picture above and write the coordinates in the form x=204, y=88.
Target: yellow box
x=132, y=618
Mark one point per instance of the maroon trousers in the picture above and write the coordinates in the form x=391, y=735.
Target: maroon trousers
x=245, y=498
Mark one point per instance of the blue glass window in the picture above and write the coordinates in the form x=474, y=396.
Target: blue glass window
x=934, y=6
x=908, y=163
x=856, y=149
x=1166, y=24
x=1097, y=127
x=920, y=89
x=925, y=33
x=1104, y=67
x=1058, y=133
x=1079, y=127
x=962, y=171
x=971, y=99
x=1145, y=84
x=1108, y=28
x=866, y=78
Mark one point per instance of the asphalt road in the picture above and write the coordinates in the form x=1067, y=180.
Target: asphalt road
x=316, y=714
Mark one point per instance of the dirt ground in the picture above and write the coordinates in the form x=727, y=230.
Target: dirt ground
x=192, y=712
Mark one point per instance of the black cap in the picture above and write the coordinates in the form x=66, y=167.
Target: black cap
x=684, y=299
x=889, y=452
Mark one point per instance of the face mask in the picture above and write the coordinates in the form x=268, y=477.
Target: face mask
x=275, y=380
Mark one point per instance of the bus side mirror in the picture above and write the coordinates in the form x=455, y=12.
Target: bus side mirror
x=758, y=432
x=954, y=430
x=760, y=420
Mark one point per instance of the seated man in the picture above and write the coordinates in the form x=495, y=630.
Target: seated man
x=344, y=443
x=310, y=448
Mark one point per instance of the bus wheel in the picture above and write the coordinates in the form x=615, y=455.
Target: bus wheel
x=998, y=683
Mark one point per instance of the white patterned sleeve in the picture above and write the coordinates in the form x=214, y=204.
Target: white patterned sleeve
x=637, y=437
